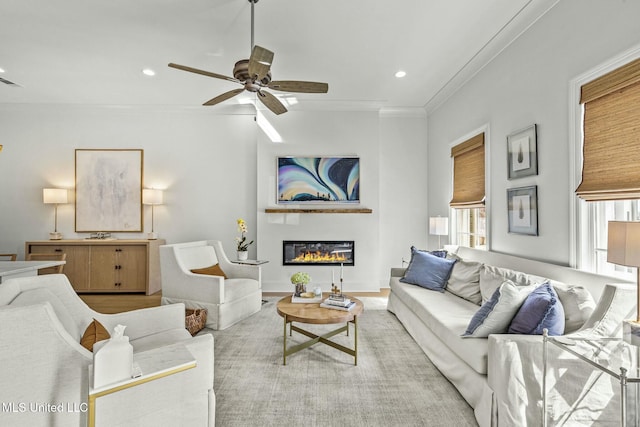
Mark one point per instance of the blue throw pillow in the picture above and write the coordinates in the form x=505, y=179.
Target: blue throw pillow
x=496, y=314
x=542, y=309
x=427, y=270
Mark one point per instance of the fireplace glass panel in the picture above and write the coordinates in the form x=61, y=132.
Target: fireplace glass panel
x=318, y=252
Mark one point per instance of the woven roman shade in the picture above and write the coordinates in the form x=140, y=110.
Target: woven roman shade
x=611, y=151
x=468, y=173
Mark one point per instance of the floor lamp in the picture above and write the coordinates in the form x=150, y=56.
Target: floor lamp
x=623, y=248
x=55, y=196
x=151, y=196
x=439, y=226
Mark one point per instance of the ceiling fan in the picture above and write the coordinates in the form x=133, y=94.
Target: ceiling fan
x=254, y=74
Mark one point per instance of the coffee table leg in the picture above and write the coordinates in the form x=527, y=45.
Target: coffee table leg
x=284, y=350
x=355, y=339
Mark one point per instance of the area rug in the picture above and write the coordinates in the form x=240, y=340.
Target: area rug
x=394, y=383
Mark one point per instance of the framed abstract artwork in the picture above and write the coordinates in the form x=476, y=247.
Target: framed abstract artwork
x=108, y=190
x=522, y=153
x=318, y=180
x=523, y=210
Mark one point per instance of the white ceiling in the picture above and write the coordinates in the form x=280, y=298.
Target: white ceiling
x=93, y=51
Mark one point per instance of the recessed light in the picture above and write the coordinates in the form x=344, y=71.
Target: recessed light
x=400, y=74
x=148, y=72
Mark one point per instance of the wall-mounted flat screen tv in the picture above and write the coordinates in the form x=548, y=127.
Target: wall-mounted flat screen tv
x=318, y=180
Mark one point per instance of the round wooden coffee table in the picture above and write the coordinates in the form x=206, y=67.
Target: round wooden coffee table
x=312, y=313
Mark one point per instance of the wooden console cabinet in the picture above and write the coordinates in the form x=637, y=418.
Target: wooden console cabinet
x=107, y=265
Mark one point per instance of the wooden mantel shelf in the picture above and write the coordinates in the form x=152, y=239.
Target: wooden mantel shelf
x=323, y=210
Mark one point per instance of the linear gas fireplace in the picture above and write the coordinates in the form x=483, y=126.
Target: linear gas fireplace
x=318, y=252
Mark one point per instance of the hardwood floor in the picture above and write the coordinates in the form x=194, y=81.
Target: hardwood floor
x=117, y=303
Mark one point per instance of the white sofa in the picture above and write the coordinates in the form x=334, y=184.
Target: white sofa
x=227, y=301
x=42, y=362
x=501, y=376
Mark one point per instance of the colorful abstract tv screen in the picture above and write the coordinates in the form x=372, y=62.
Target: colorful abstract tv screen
x=318, y=180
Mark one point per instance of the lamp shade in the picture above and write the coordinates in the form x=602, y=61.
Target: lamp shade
x=439, y=226
x=151, y=196
x=623, y=243
x=54, y=195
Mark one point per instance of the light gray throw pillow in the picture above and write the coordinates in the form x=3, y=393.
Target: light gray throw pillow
x=492, y=277
x=464, y=281
x=577, y=302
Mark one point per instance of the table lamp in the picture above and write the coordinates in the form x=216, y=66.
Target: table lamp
x=151, y=196
x=55, y=196
x=439, y=226
x=623, y=248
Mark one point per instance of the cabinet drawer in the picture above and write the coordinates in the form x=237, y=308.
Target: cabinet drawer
x=77, y=262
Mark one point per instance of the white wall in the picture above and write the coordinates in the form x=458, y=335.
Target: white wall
x=529, y=83
x=205, y=161
x=389, y=148
x=403, y=187
x=217, y=167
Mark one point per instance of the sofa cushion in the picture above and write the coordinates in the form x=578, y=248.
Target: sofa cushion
x=492, y=277
x=495, y=315
x=577, y=302
x=447, y=316
x=540, y=310
x=94, y=333
x=213, y=270
x=428, y=271
x=40, y=295
x=464, y=281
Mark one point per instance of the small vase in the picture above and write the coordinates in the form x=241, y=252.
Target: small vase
x=300, y=289
x=243, y=255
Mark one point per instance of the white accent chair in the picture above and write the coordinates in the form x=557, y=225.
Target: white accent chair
x=42, y=362
x=227, y=301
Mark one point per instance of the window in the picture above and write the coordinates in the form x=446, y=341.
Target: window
x=469, y=193
x=596, y=254
x=471, y=228
x=610, y=175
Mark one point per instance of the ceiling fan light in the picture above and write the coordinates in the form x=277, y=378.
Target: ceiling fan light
x=148, y=72
x=400, y=74
x=267, y=127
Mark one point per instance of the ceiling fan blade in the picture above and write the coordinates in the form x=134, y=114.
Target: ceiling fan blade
x=223, y=97
x=271, y=102
x=202, y=72
x=299, y=86
x=260, y=62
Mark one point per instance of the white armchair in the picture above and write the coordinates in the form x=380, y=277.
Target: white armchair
x=42, y=361
x=227, y=300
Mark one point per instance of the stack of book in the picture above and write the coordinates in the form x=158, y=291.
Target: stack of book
x=343, y=303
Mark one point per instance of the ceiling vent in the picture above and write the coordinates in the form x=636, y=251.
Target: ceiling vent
x=9, y=83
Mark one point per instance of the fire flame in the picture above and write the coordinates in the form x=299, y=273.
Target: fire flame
x=320, y=257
